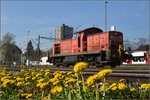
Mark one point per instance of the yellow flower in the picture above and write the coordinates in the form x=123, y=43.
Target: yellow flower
x=22, y=70
x=19, y=83
x=145, y=86
x=56, y=82
x=43, y=85
x=91, y=80
x=121, y=86
x=132, y=89
x=29, y=96
x=33, y=73
x=103, y=86
x=58, y=75
x=122, y=80
x=38, y=74
x=104, y=73
x=56, y=89
x=66, y=85
x=85, y=88
x=70, y=80
x=27, y=78
x=47, y=70
x=38, y=84
x=41, y=80
x=79, y=66
x=19, y=79
x=3, y=78
x=53, y=91
x=113, y=86
x=28, y=83
x=7, y=81
x=53, y=79
x=69, y=73
x=33, y=78
x=26, y=95
x=47, y=73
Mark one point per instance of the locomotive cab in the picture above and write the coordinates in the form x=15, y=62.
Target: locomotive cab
x=115, y=48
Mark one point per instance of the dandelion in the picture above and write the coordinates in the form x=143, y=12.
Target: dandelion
x=27, y=78
x=85, y=88
x=53, y=79
x=33, y=78
x=19, y=79
x=104, y=73
x=22, y=70
x=122, y=80
x=7, y=81
x=43, y=85
x=38, y=84
x=56, y=89
x=69, y=73
x=26, y=95
x=47, y=73
x=70, y=80
x=28, y=83
x=58, y=75
x=145, y=86
x=103, y=87
x=56, y=82
x=79, y=66
x=41, y=80
x=113, y=86
x=29, y=96
x=3, y=78
x=53, y=91
x=121, y=86
x=47, y=70
x=132, y=89
x=91, y=80
x=38, y=74
x=19, y=84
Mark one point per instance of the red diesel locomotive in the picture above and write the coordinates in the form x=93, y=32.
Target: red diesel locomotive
x=90, y=45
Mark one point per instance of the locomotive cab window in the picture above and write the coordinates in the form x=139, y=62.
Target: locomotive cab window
x=75, y=35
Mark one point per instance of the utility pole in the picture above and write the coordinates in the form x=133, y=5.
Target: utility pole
x=28, y=56
x=38, y=44
x=38, y=47
x=106, y=15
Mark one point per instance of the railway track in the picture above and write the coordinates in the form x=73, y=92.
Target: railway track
x=132, y=75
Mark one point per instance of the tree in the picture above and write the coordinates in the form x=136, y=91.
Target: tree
x=8, y=38
x=142, y=44
x=30, y=51
x=128, y=44
x=9, y=52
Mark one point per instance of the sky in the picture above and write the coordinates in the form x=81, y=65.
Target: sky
x=27, y=19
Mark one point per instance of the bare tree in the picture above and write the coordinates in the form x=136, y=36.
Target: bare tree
x=8, y=38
